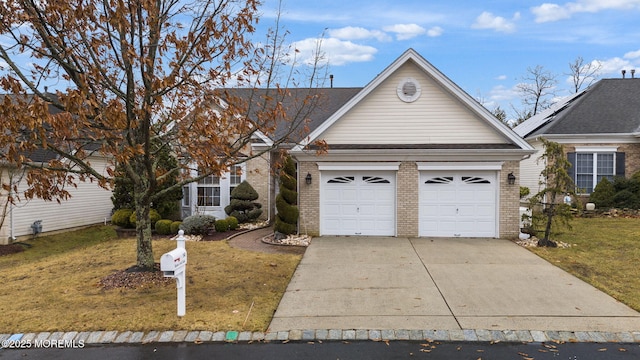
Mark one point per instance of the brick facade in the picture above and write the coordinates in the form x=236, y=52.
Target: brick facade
x=509, y=211
x=259, y=176
x=408, y=180
x=407, y=221
x=309, y=199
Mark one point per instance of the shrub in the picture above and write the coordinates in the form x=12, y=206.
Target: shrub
x=241, y=205
x=163, y=227
x=524, y=191
x=287, y=199
x=175, y=226
x=154, y=216
x=626, y=199
x=603, y=194
x=121, y=218
x=221, y=225
x=233, y=223
x=197, y=224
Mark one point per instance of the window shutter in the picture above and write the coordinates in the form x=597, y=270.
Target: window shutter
x=571, y=157
x=620, y=164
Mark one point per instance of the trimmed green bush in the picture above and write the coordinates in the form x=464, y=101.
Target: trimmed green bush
x=121, y=218
x=233, y=223
x=163, y=227
x=603, y=194
x=286, y=201
x=242, y=205
x=221, y=225
x=175, y=226
x=154, y=216
x=198, y=224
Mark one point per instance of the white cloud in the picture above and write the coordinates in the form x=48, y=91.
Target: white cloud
x=487, y=20
x=501, y=77
x=435, y=31
x=501, y=93
x=632, y=55
x=548, y=12
x=358, y=33
x=335, y=51
x=405, y=31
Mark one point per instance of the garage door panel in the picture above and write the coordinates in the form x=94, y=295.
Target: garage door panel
x=458, y=203
x=365, y=198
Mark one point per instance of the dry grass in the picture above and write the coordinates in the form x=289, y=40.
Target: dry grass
x=53, y=286
x=605, y=253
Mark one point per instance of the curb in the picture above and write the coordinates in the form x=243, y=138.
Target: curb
x=75, y=339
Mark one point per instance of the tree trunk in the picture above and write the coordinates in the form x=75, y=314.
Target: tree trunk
x=547, y=231
x=143, y=228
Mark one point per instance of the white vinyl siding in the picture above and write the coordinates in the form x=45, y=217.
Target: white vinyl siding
x=88, y=204
x=436, y=117
x=530, y=169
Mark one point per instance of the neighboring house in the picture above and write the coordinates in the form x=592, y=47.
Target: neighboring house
x=599, y=129
x=410, y=154
x=89, y=204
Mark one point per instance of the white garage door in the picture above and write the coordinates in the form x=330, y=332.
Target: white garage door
x=358, y=203
x=458, y=203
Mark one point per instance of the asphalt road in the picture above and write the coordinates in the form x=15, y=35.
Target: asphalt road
x=339, y=350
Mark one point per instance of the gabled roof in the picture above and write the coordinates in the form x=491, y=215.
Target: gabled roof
x=412, y=56
x=610, y=106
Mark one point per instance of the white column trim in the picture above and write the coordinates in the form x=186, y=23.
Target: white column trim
x=355, y=166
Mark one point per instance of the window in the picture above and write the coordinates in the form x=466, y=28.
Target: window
x=209, y=191
x=235, y=177
x=590, y=168
x=186, y=196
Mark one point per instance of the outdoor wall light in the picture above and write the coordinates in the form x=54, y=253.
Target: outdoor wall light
x=308, y=179
x=511, y=179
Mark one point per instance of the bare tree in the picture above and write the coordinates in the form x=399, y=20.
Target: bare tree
x=583, y=75
x=538, y=89
x=139, y=73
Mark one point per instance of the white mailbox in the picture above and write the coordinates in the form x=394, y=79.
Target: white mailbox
x=173, y=262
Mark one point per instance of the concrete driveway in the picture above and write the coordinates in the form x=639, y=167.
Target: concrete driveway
x=440, y=284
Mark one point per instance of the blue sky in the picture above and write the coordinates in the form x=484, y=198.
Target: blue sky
x=484, y=47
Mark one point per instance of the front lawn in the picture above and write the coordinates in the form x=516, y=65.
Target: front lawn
x=54, y=286
x=605, y=252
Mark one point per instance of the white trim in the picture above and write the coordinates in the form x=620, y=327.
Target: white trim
x=597, y=149
x=460, y=165
x=408, y=98
x=355, y=166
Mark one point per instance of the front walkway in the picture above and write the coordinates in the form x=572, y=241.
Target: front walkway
x=360, y=283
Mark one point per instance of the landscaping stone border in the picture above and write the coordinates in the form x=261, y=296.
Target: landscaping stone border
x=481, y=335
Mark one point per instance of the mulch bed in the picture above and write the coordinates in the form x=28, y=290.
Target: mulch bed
x=134, y=278
x=10, y=249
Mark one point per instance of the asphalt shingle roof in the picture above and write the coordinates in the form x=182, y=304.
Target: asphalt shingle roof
x=329, y=100
x=611, y=106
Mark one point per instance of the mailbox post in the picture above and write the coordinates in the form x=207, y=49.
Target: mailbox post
x=173, y=264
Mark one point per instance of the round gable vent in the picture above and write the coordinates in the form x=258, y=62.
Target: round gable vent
x=409, y=90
